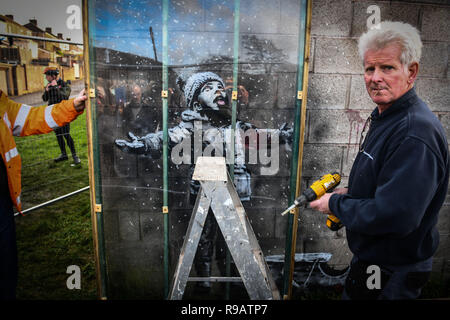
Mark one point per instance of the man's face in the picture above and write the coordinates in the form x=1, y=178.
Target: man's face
x=136, y=93
x=213, y=95
x=385, y=76
x=49, y=77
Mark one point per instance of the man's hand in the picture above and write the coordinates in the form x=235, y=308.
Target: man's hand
x=79, y=101
x=51, y=84
x=321, y=204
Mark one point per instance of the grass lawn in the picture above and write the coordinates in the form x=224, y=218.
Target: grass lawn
x=54, y=237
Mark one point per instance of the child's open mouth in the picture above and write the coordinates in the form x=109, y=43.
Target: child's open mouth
x=220, y=101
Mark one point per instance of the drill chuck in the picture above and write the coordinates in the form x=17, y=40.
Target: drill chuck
x=300, y=201
x=317, y=190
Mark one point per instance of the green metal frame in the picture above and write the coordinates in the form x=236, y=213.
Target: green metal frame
x=296, y=154
x=165, y=86
x=294, y=178
x=235, y=81
x=237, y=6
x=94, y=157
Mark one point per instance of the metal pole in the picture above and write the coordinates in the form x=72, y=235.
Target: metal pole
x=235, y=81
x=23, y=36
x=42, y=205
x=153, y=42
x=297, y=154
x=165, y=15
x=233, y=123
x=307, y=44
x=93, y=153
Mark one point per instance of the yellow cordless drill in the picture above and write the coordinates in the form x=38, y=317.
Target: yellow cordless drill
x=315, y=191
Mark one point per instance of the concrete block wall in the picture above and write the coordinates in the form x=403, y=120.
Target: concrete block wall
x=338, y=104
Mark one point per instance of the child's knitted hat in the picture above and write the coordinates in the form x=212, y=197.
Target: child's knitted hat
x=191, y=87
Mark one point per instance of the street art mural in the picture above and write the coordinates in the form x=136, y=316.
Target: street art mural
x=205, y=130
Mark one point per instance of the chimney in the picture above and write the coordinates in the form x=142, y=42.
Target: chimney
x=10, y=16
x=48, y=30
x=59, y=36
x=33, y=21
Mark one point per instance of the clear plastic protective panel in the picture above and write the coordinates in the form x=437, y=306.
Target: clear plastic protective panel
x=126, y=70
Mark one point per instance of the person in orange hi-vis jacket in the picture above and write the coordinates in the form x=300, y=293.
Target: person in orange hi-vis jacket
x=20, y=120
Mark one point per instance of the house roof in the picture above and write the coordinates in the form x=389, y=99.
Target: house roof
x=6, y=19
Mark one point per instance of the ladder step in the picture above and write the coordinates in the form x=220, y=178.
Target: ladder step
x=218, y=194
x=215, y=279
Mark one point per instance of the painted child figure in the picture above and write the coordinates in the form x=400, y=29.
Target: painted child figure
x=208, y=121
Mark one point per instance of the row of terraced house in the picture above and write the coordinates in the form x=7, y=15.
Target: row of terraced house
x=23, y=60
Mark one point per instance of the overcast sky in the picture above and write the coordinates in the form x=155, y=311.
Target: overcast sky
x=48, y=13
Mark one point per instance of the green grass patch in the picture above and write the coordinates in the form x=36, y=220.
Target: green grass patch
x=42, y=178
x=54, y=237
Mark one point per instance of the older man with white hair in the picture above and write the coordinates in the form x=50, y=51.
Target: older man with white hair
x=399, y=178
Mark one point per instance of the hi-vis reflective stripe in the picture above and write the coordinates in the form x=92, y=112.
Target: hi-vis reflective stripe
x=6, y=119
x=48, y=117
x=11, y=154
x=20, y=119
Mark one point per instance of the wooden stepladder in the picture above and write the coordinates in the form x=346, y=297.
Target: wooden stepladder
x=218, y=193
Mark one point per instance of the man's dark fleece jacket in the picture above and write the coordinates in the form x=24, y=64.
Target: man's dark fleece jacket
x=397, y=185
